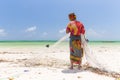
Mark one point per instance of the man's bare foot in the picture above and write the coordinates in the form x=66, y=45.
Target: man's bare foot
x=79, y=67
x=71, y=67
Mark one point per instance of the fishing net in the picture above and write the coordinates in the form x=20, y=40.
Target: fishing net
x=103, y=61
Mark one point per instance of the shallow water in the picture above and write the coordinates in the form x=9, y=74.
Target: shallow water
x=44, y=43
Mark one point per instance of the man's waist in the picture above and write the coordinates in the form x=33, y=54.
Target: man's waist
x=75, y=35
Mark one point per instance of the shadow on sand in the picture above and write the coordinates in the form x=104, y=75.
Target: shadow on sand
x=68, y=71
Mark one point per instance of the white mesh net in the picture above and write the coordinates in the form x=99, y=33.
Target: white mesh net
x=107, y=61
x=104, y=58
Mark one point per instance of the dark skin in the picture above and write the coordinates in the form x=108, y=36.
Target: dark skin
x=71, y=18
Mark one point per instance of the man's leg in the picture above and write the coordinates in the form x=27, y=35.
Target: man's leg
x=79, y=65
x=71, y=67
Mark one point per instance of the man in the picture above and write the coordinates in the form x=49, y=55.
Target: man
x=75, y=28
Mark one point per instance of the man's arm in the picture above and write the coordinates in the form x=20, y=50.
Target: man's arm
x=82, y=29
x=67, y=31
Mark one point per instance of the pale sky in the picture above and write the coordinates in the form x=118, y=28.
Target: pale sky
x=47, y=19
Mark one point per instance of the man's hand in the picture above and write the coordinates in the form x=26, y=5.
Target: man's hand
x=67, y=31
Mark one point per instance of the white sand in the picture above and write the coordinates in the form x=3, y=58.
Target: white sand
x=36, y=63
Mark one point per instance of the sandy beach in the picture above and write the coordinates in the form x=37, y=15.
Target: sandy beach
x=42, y=63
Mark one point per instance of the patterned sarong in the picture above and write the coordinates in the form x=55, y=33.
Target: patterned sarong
x=76, y=52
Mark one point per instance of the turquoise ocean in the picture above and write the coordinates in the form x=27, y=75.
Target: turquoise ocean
x=43, y=43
